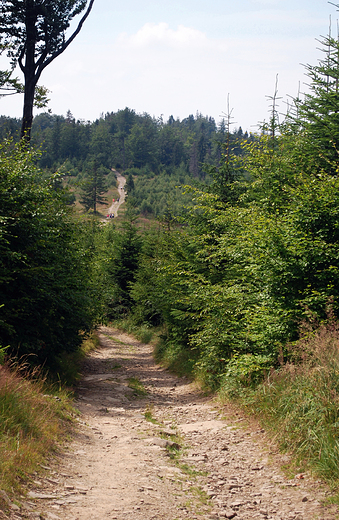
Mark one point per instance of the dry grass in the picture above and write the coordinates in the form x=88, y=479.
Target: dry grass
x=299, y=403
x=31, y=425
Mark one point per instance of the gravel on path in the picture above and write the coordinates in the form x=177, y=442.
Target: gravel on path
x=150, y=446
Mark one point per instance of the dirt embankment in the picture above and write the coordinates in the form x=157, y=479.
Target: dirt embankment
x=124, y=463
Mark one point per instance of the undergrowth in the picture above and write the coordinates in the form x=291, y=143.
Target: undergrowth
x=35, y=414
x=176, y=358
x=67, y=368
x=144, y=333
x=32, y=421
x=299, y=402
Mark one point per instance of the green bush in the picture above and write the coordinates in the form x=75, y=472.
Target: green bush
x=299, y=402
x=48, y=301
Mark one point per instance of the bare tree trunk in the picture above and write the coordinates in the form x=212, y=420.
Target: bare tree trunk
x=27, y=118
x=28, y=69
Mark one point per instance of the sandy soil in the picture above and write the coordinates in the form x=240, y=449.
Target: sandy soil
x=125, y=461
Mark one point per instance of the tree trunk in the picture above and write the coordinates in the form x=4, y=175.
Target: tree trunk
x=28, y=69
x=27, y=118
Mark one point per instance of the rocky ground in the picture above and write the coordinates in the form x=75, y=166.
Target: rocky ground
x=150, y=446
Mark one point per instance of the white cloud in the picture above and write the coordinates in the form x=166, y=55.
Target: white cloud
x=266, y=2
x=151, y=34
x=161, y=70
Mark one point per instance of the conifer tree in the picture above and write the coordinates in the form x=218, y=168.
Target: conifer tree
x=93, y=189
x=317, y=115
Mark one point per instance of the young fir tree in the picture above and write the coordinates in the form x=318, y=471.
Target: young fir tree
x=318, y=113
x=129, y=187
x=93, y=189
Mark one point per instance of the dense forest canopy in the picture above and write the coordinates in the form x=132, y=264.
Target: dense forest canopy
x=125, y=139
x=160, y=155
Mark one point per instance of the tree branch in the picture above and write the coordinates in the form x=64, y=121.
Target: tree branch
x=70, y=39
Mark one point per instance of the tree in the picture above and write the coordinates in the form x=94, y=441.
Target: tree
x=8, y=84
x=122, y=251
x=93, y=190
x=47, y=298
x=142, y=143
x=32, y=33
x=129, y=187
x=124, y=120
x=318, y=113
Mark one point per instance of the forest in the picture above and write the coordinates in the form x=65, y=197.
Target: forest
x=158, y=155
x=227, y=251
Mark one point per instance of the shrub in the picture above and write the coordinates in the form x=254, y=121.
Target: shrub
x=299, y=402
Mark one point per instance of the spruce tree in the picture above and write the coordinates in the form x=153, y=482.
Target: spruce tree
x=93, y=189
x=317, y=115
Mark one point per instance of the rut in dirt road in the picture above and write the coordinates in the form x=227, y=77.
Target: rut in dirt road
x=150, y=446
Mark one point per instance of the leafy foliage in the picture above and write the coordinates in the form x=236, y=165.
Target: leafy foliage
x=47, y=298
x=254, y=254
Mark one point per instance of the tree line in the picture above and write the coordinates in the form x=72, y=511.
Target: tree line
x=148, y=149
x=124, y=140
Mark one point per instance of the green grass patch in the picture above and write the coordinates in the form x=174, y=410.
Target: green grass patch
x=189, y=470
x=299, y=403
x=116, y=340
x=200, y=494
x=149, y=416
x=174, y=452
x=137, y=387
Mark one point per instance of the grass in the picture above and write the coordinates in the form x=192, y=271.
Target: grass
x=189, y=470
x=32, y=422
x=137, y=387
x=177, y=358
x=143, y=333
x=67, y=370
x=299, y=403
x=116, y=340
x=35, y=414
x=149, y=415
x=200, y=494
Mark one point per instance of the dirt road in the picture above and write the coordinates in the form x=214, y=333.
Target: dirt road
x=113, y=209
x=125, y=462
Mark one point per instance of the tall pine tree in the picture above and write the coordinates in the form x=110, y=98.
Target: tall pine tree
x=93, y=189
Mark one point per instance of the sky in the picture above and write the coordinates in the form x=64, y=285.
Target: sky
x=180, y=57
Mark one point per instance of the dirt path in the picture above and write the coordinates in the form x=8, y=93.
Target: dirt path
x=113, y=209
x=120, y=467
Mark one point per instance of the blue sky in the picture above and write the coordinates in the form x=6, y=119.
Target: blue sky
x=179, y=57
